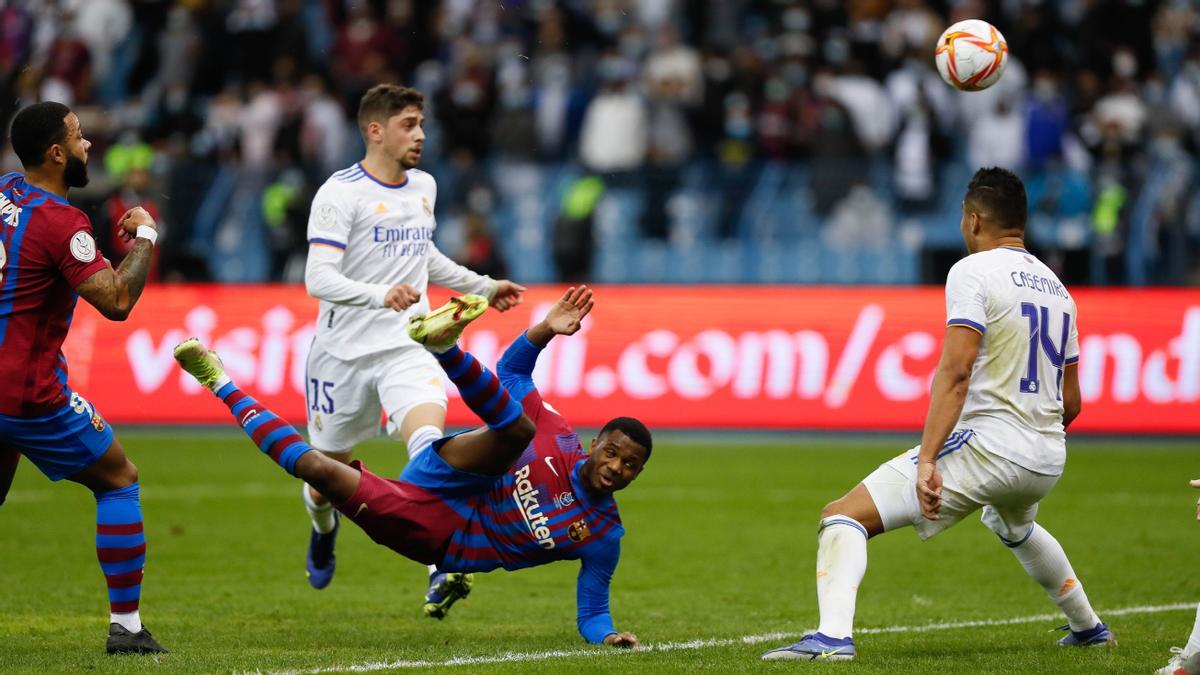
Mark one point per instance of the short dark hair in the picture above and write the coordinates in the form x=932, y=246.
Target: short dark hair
x=36, y=128
x=999, y=194
x=634, y=429
x=384, y=100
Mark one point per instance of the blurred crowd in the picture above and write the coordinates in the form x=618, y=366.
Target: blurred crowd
x=208, y=110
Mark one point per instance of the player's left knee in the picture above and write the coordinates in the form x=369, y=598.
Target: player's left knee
x=130, y=472
x=123, y=476
x=834, y=508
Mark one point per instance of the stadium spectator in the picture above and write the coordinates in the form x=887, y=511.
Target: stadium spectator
x=770, y=114
x=998, y=138
x=479, y=251
x=617, y=112
x=129, y=164
x=323, y=135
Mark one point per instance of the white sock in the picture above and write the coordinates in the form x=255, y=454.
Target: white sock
x=221, y=382
x=421, y=438
x=320, y=515
x=130, y=621
x=432, y=570
x=841, y=564
x=1193, y=645
x=1043, y=558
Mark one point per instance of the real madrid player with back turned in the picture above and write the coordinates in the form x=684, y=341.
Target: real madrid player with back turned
x=1003, y=394
x=371, y=257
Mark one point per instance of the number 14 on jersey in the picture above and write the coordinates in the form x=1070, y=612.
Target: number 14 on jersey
x=1040, y=339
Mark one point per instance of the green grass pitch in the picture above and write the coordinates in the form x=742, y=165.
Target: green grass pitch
x=720, y=545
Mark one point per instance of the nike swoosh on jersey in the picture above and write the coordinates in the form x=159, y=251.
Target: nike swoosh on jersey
x=550, y=463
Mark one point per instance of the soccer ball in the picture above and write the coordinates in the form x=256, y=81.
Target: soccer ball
x=971, y=55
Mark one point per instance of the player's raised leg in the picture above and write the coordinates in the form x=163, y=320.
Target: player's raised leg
x=490, y=450
x=120, y=548
x=842, y=535
x=274, y=437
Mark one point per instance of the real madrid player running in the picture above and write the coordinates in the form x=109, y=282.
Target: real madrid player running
x=1002, y=396
x=517, y=493
x=1186, y=660
x=371, y=256
x=48, y=258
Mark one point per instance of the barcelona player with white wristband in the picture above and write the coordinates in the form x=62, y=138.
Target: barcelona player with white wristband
x=48, y=260
x=1004, y=392
x=371, y=257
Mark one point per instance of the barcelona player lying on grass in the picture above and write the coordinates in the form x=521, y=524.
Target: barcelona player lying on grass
x=519, y=492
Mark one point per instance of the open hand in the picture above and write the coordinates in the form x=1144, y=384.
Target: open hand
x=508, y=295
x=929, y=490
x=625, y=640
x=401, y=296
x=566, y=316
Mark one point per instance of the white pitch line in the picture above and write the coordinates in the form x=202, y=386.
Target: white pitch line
x=518, y=657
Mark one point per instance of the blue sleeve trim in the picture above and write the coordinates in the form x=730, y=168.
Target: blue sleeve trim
x=968, y=323
x=515, y=368
x=328, y=242
x=1072, y=359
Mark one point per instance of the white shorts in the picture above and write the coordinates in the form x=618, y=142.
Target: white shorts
x=972, y=478
x=346, y=399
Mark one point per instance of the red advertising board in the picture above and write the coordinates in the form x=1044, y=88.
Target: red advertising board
x=746, y=357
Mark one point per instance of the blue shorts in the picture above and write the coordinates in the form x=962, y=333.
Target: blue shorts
x=430, y=472
x=62, y=443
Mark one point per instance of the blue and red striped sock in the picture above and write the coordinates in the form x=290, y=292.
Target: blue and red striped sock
x=121, y=549
x=480, y=388
x=274, y=437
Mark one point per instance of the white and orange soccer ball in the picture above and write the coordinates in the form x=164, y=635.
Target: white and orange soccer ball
x=971, y=55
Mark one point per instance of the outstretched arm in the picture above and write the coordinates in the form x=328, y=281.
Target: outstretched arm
x=114, y=292
x=594, y=619
x=515, y=368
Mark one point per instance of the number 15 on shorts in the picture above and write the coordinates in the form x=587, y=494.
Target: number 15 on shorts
x=320, y=396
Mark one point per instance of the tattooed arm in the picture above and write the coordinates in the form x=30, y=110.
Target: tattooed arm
x=114, y=292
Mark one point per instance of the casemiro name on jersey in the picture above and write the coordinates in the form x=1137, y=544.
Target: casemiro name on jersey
x=1039, y=283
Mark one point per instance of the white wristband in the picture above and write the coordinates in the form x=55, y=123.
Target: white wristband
x=147, y=232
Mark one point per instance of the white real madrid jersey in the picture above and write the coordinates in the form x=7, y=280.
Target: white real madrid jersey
x=1027, y=319
x=386, y=233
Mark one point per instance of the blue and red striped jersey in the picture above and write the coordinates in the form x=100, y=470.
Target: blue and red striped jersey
x=46, y=249
x=539, y=511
